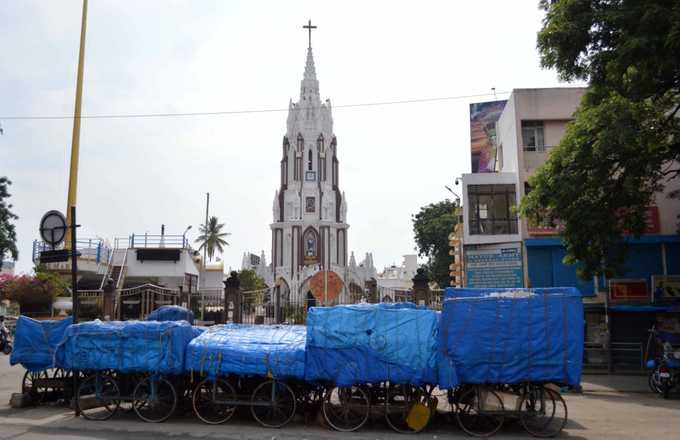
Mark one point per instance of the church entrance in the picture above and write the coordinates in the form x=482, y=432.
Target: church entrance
x=311, y=300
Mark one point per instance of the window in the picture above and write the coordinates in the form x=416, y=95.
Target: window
x=300, y=142
x=320, y=143
x=532, y=136
x=310, y=204
x=310, y=160
x=492, y=209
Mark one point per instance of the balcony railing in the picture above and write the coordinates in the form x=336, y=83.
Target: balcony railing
x=137, y=241
x=90, y=248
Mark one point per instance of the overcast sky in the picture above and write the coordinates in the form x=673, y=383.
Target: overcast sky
x=198, y=56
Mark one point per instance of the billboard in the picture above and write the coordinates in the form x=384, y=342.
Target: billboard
x=494, y=266
x=483, y=118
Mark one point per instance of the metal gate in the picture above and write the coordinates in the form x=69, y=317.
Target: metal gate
x=138, y=302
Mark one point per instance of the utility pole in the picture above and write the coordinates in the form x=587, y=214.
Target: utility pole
x=75, y=139
x=205, y=248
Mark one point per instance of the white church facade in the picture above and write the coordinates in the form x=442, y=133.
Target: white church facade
x=309, y=228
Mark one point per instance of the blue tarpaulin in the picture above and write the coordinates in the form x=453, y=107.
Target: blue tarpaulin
x=371, y=343
x=126, y=346
x=35, y=342
x=510, y=336
x=171, y=313
x=241, y=349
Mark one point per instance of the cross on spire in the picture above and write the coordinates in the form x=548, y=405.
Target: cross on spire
x=309, y=27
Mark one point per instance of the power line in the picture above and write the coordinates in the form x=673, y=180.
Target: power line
x=240, y=112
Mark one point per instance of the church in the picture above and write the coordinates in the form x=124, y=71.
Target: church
x=309, y=227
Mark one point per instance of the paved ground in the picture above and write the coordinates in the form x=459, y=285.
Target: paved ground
x=611, y=407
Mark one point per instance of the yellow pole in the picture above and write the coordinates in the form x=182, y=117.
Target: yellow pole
x=75, y=139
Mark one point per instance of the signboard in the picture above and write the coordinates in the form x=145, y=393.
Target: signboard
x=652, y=222
x=666, y=287
x=494, y=266
x=624, y=290
x=53, y=228
x=483, y=118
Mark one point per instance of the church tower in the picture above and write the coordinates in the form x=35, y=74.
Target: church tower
x=309, y=229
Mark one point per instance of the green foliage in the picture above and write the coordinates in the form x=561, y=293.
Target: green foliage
x=250, y=280
x=432, y=226
x=212, y=237
x=8, y=235
x=624, y=142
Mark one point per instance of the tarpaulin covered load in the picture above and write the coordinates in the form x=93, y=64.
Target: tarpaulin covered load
x=500, y=337
x=126, y=346
x=371, y=343
x=171, y=313
x=241, y=349
x=35, y=342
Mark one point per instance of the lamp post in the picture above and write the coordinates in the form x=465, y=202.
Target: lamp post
x=454, y=194
x=184, y=236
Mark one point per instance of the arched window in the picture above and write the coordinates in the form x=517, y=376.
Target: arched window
x=310, y=160
x=320, y=143
x=300, y=142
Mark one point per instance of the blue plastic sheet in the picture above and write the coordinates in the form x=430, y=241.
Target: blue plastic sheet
x=171, y=313
x=35, y=342
x=511, y=336
x=276, y=350
x=126, y=346
x=371, y=343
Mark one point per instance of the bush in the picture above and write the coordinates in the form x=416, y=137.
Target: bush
x=39, y=289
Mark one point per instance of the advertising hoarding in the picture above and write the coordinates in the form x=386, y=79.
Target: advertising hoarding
x=483, y=118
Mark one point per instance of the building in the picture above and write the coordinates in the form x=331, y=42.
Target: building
x=397, y=281
x=309, y=228
x=510, y=141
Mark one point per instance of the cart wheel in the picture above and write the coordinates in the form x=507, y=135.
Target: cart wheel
x=98, y=397
x=543, y=412
x=479, y=412
x=207, y=401
x=273, y=404
x=346, y=409
x=33, y=385
x=154, y=399
x=407, y=408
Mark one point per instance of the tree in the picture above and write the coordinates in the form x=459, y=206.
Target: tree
x=42, y=288
x=212, y=237
x=432, y=226
x=8, y=235
x=623, y=145
x=250, y=280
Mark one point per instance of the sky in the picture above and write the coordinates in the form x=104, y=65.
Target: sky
x=165, y=56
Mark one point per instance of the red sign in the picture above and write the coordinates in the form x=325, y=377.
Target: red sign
x=628, y=290
x=652, y=223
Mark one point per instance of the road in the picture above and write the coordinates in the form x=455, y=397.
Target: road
x=610, y=408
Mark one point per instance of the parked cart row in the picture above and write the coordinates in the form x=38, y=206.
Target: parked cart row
x=489, y=356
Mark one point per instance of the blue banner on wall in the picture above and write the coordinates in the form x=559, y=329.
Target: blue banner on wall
x=494, y=266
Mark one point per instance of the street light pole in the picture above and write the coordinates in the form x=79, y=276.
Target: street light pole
x=75, y=139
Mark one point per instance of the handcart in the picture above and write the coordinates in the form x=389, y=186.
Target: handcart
x=481, y=410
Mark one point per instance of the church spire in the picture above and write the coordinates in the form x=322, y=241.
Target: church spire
x=310, y=71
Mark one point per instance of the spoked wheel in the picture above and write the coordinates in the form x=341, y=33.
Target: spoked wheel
x=273, y=404
x=98, y=397
x=346, y=409
x=154, y=399
x=213, y=401
x=543, y=412
x=654, y=381
x=32, y=384
x=407, y=408
x=479, y=412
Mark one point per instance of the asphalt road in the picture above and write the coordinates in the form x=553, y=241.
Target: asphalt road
x=611, y=408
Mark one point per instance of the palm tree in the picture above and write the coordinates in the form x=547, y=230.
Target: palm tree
x=212, y=237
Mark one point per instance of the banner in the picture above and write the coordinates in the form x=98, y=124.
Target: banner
x=483, y=118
